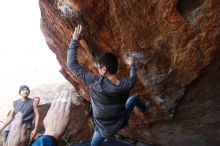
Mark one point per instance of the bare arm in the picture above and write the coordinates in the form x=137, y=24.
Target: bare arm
x=37, y=116
x=36, y=122
x=8, y=120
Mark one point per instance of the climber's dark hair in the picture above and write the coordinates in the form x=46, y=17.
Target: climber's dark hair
x=110, y=61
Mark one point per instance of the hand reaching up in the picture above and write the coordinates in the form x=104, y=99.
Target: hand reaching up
x=77, y=32
x=58, y=116
x=130, y=60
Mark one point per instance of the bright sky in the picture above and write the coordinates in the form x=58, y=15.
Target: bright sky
x=24, y=56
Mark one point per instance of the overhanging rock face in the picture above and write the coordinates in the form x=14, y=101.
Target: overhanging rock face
x=173, y=41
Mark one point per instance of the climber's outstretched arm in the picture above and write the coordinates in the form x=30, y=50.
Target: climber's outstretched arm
x=72, y=62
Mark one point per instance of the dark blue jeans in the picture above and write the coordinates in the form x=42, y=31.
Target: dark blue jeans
x=131, y=102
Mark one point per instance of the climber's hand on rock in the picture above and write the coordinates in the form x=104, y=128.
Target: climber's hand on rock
x=130, y=60
x=58, y=116
x=77, y=32
x=17, y=135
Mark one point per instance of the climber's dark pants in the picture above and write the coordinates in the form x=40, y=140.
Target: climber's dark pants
x=132, y=101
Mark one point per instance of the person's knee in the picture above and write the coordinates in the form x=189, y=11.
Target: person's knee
x=132, y=100
x=135, y=97
x=97, y=139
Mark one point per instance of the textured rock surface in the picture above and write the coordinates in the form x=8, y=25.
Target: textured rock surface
x=172, y=40
x=196, y=121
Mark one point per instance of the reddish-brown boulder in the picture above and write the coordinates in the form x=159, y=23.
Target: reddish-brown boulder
x=173, y=41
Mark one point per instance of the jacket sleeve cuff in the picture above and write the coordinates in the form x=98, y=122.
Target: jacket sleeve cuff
x=46, y=140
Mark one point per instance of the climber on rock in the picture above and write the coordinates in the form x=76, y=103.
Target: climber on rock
x=111, y=104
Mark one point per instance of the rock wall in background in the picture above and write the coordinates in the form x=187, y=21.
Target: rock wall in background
x=175, y=42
